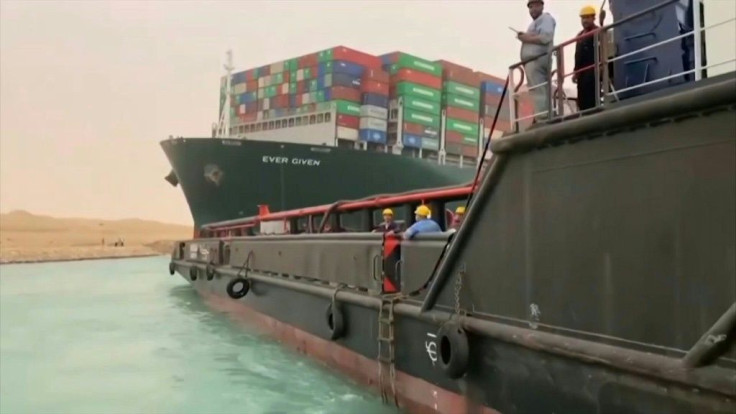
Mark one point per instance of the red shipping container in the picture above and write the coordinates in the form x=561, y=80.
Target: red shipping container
x=300, y=87
x=372, y=86
x=349, y=121
x=342, y=92
x=417, y=77
x=453, y=66
x=248, y=117
x=484, y=77
x=500, y=125
x=462, y=114
x=309, y=60
x=251, y=86
x=376, y=75
x=470, y=150
x=454, y=137
x=299, y=101
x=414, y=129
x=351, y=55
x=280, y=101
x=250, y=74
x=462, y=77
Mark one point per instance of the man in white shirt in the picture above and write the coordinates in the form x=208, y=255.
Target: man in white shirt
x=538, y=40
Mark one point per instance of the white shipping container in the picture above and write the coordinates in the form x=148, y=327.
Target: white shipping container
x=239, y=88
x=347, y=133
x=266, y=104
x=277, y=67
x=374, y=123
x=305, y=98
x=241, y=109
x=373, y=111
x=284, y=89
x=328, y=80
x=300, y=75
x=261, y=82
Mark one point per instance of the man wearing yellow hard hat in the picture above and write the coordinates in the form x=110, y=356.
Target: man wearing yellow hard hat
x=388, y=225
x=585, y=61
x=458, y=219
x=424, y=224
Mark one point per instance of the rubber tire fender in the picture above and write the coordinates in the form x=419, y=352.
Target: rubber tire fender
x=335, y=321
x=193, y=273
x=172, y=268
x=210, y=271
x=453, y=350
x=239, y=293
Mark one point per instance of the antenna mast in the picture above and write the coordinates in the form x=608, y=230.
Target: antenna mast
x=223, y=127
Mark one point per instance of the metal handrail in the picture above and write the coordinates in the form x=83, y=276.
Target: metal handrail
x=556, y=79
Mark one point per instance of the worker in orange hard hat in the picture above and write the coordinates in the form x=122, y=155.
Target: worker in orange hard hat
x=388, y=225
x=585, y=62
x=423, y=223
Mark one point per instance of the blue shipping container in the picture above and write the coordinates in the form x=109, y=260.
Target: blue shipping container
x=412, y=141
x=247, y=97
x=491, y=87
x=375, y=99
x=344, y=79
x=238, y=78
x=340, y=66
x=372, y=135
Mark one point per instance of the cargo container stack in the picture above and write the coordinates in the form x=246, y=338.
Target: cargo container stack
x=374, y=107
x=415, y=93
x=461, y=106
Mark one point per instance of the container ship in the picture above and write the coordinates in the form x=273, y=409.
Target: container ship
x=336, y=124
x=594, y=270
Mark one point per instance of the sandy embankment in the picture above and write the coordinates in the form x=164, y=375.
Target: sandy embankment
x=26, y=237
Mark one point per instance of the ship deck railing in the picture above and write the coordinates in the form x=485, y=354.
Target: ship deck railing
x=563, y=107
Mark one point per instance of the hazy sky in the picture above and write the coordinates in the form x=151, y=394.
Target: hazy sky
x=88, y=89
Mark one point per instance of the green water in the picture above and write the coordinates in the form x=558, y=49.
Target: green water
x=122, y=336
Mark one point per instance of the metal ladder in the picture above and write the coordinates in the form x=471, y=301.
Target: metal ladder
x=386, y=348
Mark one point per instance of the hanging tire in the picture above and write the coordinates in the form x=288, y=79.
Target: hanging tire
x=453, y=350
x=193, y=273
x=172, y=268
x=335, y=321
x=210, y=271
x=237, y=288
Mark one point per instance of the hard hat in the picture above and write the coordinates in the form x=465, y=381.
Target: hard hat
x=587, y=11
x=460, y=210
x=534, y=1
x=387, y=212
x=422, y=211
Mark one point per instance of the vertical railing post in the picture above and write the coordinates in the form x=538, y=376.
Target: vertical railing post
x=559, y=92
x=697, y=38
x=604, y=64
x=512, y=101
x=597, y=45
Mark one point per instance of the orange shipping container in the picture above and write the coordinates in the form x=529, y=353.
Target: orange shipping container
x=376, y=75
x=414, y=76
x=348, y=94
x=373, y=86
x=462, y=114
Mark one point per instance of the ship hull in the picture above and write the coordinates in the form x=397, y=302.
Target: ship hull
x=225, y=179
x=504, y=377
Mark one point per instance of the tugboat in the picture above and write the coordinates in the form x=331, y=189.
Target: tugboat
x=594, y=270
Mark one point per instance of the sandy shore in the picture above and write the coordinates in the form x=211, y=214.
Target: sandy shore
x=28, y=238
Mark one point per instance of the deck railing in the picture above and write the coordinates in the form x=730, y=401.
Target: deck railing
x=559, y=106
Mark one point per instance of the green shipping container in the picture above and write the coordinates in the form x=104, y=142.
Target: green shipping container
x=277, y=79
x=408, y=61
x=325, y=55
x=292, y=65
x=419, y=91
x=271, y=91
x=465, y=128
x=347, y=107
x=461, y=102
x=422, y=118
x=292, y=88
x=431, y=143
x=312, y=85
x=319, y=96
x=461, y=90
x=323, y=106
x=411, y=102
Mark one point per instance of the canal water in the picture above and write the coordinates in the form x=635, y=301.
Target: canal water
x=122, y=336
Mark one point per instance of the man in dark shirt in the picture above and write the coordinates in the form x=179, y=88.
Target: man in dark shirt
x=388, y=225
x=585, y=58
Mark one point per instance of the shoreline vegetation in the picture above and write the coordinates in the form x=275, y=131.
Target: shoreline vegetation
x=30, y=238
